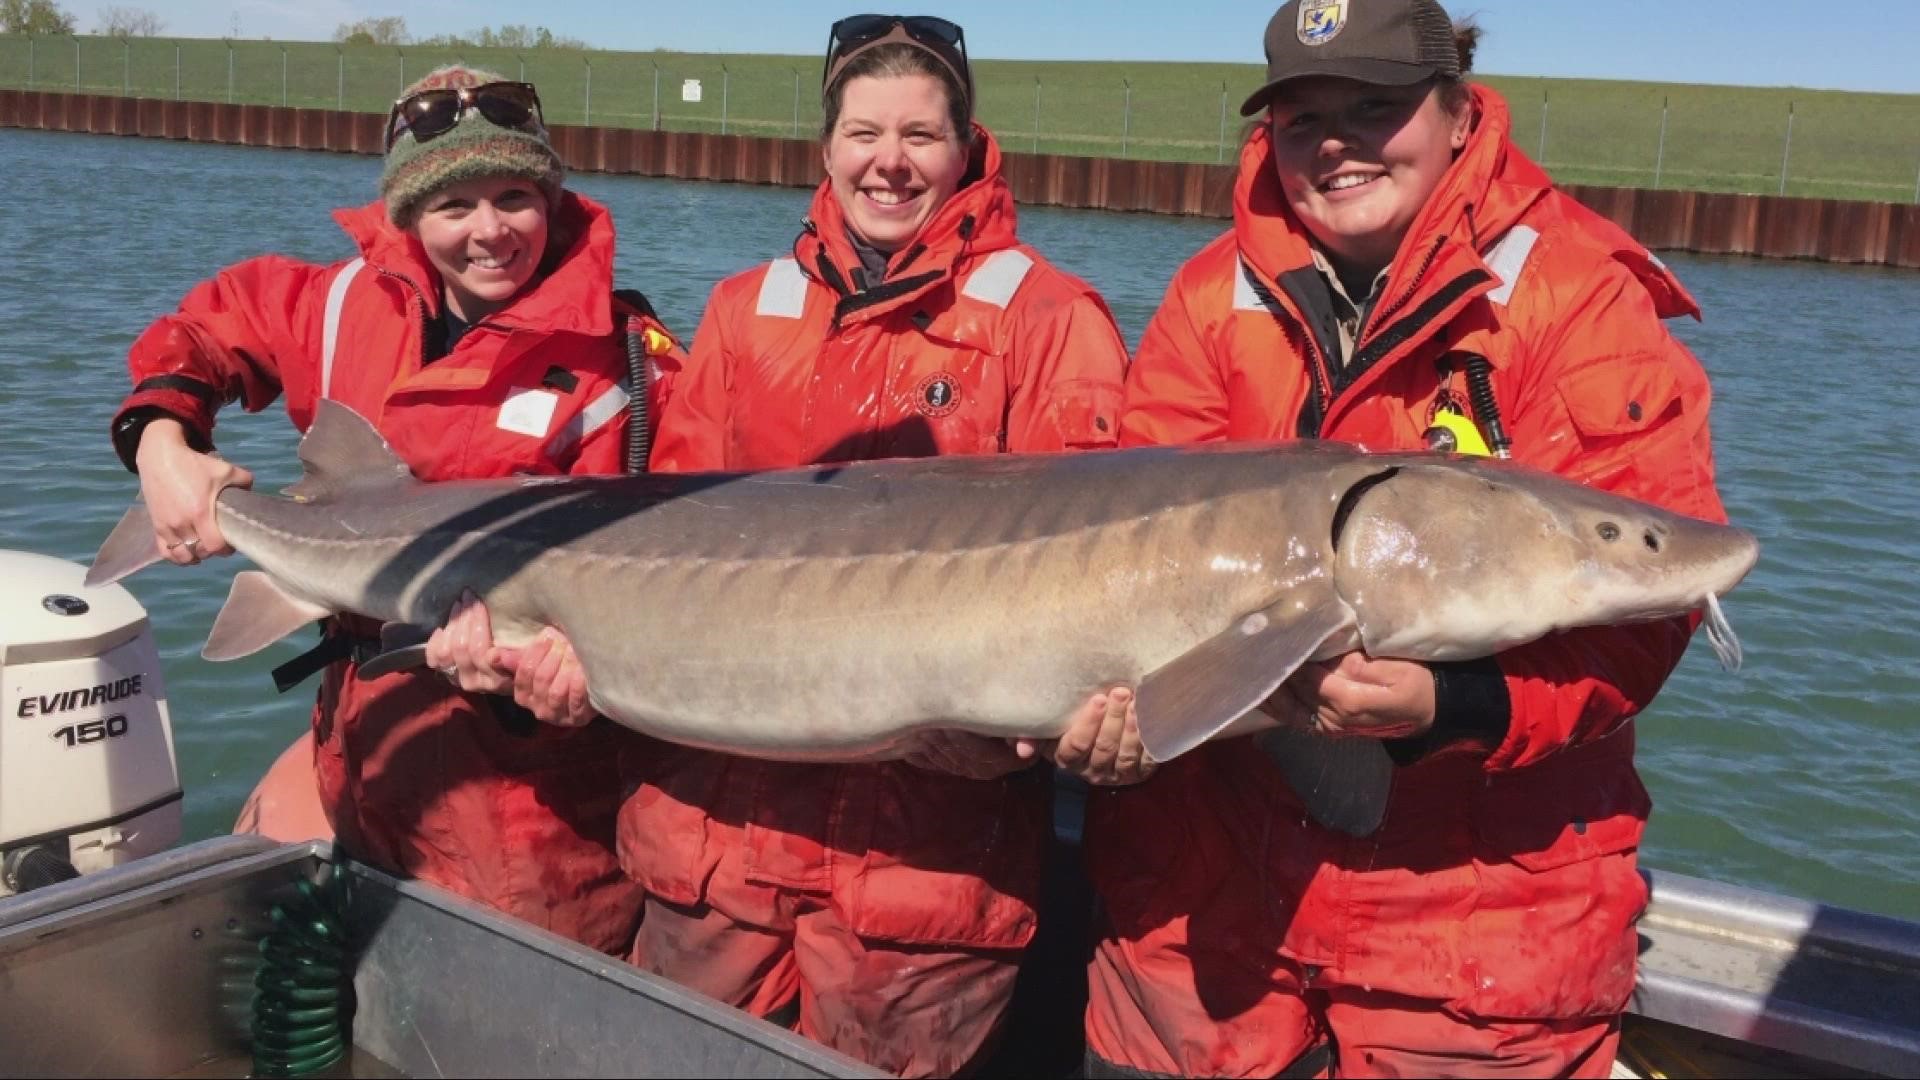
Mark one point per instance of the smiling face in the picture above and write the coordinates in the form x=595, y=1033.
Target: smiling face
x=893, y=156
x=485, y=237
x=1358, y=161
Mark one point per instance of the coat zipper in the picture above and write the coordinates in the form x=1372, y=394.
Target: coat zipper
x=420, y=303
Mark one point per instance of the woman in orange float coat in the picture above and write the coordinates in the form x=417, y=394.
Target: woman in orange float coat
x=1387, y=234
x=881, y=908
x=478, y=331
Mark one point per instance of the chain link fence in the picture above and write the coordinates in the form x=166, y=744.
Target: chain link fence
x=1828, y=144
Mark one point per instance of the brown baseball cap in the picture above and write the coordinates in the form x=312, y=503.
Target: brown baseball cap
x=1386, y=42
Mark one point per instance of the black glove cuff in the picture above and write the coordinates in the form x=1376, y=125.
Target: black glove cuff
x=1470, y=703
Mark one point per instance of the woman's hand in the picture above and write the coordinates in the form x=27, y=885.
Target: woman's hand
x=1354, y=694
x=463, y=650
x=1101, y=744
x=179, y=485
x=545, y=677
x=549, y=681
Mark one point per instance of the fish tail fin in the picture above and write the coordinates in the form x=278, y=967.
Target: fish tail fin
x=343, y=452
x=128, y=549
x=258, y=612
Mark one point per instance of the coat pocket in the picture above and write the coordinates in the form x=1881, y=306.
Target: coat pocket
x=949, y=862
x=1551, y=935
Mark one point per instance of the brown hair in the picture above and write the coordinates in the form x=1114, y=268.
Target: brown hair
x=894, y=61
x=1455, y=97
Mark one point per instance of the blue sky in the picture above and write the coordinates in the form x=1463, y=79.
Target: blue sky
x=1864, y=45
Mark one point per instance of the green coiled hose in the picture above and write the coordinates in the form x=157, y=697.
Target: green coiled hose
x=300, y=992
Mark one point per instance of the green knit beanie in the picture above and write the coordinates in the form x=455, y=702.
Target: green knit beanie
x=474, y=147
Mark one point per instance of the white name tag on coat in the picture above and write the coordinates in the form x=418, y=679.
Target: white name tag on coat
x=528, y=412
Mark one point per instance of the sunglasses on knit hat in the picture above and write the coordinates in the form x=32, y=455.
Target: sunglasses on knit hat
x=430, y=113
x=856, y=34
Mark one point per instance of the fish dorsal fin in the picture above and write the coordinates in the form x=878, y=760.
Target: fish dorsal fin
x=258, y=612
x=1342, y=780
x=343, y=452
x=1198, y=694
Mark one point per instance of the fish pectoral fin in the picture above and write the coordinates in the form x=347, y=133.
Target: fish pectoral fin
x=402, y=646
x=258, y=612
x=128, y=548
x=1198, y=694
x=1342, y=780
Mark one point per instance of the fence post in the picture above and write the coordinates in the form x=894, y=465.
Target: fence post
x=1916, y=185
x=523, y=66
x=340, y=80
x=1126, y=118
x=656, y=94
x=587, y=109
x=723, y=98
x=76, y=63
x=283, y=76
x=1036, y=114
x=126, y=67
x=229, y=72
x=402, y=53
x=176, y=71
x=796, y=103
x=1220, y=154
x=1540, y=152
x=30, y=63
x=1786, y=149
x=1660, y=154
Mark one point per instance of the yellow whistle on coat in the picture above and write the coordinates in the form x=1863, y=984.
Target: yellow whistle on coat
x=657, y=343
x=1455, y=433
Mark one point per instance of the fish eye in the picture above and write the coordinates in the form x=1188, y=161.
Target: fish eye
x=1608, y=531
x=1652, y=541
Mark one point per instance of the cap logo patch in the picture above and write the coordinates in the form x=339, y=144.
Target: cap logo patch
x=939, y=395
x=1320, y=21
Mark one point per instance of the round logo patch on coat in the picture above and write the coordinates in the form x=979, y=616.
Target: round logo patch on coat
x=939, y=395
x=1320, y=21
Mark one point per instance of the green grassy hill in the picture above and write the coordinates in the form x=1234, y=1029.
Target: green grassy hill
x=1844, y=145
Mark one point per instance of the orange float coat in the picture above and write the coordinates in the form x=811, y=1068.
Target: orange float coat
x=1502, y=885
x=414, y=775
x=885, y=875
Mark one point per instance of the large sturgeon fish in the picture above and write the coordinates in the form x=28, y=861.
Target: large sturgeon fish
x=828, y=613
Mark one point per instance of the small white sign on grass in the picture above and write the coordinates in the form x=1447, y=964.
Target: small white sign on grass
x=690, y=90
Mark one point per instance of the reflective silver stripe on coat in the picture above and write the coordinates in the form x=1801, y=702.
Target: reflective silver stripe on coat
x=599, y=412
x=783, y=290
x=1246, y=297
x=998, y=278
x=1508, y=257
x=330, y=334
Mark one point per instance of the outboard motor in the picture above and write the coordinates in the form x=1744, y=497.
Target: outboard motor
x=87, y=773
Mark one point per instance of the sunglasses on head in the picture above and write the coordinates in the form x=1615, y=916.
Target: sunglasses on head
x=431, y=113
x=855, y=33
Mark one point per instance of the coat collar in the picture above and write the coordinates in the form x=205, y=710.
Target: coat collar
x=1483, y=193
x=978, y=219
x=572, y=295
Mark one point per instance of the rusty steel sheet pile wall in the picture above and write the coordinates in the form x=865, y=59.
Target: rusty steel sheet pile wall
x=1827, y=230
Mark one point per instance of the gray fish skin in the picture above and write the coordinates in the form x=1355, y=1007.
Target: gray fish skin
x=828, y=613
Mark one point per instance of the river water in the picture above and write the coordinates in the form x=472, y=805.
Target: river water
x=1800, y=774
